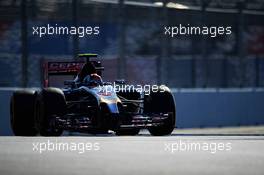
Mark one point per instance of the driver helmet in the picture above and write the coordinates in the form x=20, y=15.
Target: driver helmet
x=93, y=80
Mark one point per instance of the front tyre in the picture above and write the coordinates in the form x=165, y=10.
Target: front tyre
x=161, y=102
x=50, y=103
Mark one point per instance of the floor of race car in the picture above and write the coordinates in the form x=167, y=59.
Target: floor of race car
x=241, y=153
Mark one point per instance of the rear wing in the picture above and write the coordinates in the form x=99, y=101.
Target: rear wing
x=63, y=69
x=87, y=56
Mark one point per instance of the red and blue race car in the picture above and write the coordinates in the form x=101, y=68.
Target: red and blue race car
x=88, y=104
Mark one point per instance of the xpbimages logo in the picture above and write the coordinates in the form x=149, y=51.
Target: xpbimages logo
x=80, y=31
x=212, y=31
x=146, y=89
x=50, y=146
x=185, y=146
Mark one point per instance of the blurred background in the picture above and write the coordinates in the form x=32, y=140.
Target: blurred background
x=132, y=43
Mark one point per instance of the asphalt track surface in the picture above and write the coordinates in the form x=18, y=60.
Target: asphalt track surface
x=142, y=154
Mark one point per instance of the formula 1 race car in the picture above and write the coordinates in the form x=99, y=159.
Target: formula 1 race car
x=87, y=104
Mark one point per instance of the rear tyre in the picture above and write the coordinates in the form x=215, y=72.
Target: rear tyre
x=161, y=102
x=22, y=113
x=50, y=103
